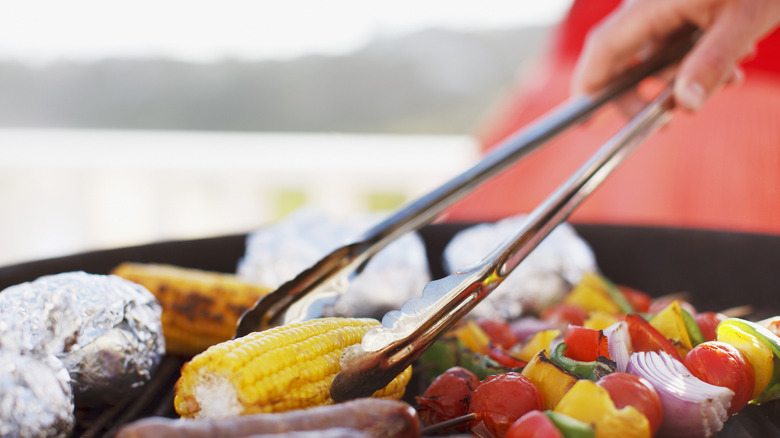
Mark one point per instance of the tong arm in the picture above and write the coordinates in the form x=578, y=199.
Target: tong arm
x=387, y=350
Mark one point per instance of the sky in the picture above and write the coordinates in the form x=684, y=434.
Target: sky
x=38, y=31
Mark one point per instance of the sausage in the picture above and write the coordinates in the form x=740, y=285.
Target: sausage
x=339, y=432
x=376, y=417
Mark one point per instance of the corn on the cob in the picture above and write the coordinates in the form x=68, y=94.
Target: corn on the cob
x=276, y=370
x=199, y=308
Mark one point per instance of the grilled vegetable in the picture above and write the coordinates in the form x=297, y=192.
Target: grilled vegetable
x=500, y=400
x=200, y=308
x=551, y=379
x=594, y=292
x=591, y=404
x=280, y=369
x=671, y=323
x=757, y=353
x=692, y=408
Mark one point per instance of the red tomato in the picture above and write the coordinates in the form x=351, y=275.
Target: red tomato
x=629, y=390
x=640, y=301
x=563, y=313
x=708, y=322
x=501, y=399
x=533, y=425
x=499, y=332
x=645, y=337
x=585, y=344
x=721, y=364
x=447, y=397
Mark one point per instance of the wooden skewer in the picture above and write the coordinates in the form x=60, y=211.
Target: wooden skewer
x=434, y=428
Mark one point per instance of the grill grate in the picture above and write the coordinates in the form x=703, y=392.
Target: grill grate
x=156, y=400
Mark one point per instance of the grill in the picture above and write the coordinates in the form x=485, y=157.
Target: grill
x=718, y=269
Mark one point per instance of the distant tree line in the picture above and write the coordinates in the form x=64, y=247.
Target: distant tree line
x=434, y=82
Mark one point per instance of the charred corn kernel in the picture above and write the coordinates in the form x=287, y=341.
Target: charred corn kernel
x=280, y=369
x=199, y=308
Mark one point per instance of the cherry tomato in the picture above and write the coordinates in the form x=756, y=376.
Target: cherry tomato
x=564, y=313
x=629, y=390
x=721, y=364
x=447, y=397
x=640, y=301
x=585, y=344
x=501, y=399
x=534, y=424
x=645, y=337
x=708, y=322
x=499, y=332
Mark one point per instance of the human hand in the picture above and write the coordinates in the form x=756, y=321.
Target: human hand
x=731, y=29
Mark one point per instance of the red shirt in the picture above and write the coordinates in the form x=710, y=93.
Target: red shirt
x=717, y=169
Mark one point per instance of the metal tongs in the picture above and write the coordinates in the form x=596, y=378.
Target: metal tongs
x=302, y=297
x=387, y=350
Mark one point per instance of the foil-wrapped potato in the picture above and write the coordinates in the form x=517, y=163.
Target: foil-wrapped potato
x=548, y=272
x=106, y=331
x=277, y=253
x=36, y=399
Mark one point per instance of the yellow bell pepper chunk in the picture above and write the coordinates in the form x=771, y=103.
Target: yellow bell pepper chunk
x=599, y=320
x=757, y=353
x=670, y=323
x=591, y=404
x=552, y=381
x=538, y=342
x=590, y=294
x=473, y=337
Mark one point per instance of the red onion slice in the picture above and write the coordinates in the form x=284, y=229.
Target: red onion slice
x=692, y=407
x=619, y=344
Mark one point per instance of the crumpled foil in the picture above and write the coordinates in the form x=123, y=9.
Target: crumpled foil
x=36, y=399
x=545, y=275
x=277, y=253
x=106, y=331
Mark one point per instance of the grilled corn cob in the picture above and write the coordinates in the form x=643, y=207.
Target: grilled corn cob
x=199, y=308
x=276, y=370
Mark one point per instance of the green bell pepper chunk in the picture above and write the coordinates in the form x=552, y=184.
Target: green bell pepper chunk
x=587, y=370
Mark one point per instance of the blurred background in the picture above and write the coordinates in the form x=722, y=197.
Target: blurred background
x=123, y=123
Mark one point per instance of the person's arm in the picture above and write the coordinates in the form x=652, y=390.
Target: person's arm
x=731, y=29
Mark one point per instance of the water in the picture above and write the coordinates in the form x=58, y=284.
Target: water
x=68, y=191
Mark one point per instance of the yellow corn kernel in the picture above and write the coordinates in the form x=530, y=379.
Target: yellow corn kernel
x=280, y=369
x=199, y=308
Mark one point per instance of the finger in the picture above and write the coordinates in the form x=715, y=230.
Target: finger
x=714, y=61
x=620, y=40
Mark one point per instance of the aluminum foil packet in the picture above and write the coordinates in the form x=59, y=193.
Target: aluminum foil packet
x=106, y=331
x=277, y=253
x=36, y=399
x=545, y=275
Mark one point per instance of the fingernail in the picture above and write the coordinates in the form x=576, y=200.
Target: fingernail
x=690, y=95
